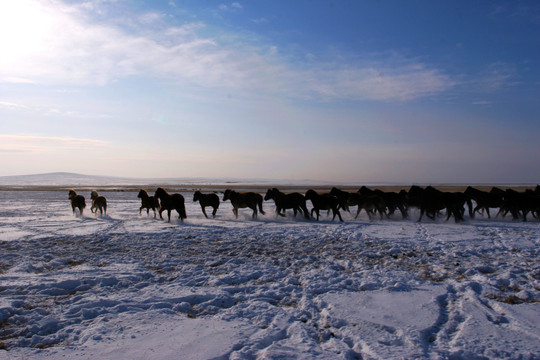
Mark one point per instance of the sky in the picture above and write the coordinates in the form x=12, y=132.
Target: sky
x=339, y=91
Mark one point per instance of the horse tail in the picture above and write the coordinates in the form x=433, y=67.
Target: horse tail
x=260, y=201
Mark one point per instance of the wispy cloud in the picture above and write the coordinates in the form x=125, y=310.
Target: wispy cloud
x=41, y=144
x=11, y=105
x=96, y=53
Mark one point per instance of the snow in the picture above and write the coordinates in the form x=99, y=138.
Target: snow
x=130, y=286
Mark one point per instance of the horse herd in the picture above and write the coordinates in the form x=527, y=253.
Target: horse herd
x=429, y=201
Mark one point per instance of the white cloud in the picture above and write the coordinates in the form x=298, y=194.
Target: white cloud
x=65, y=47
x=41, y=144
x=11, y=105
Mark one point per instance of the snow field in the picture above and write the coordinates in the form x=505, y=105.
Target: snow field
x=134, y=287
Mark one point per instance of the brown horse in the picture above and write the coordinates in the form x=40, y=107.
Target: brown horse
x=207, y=200
x=170, y=202
x=295, y=201
x=148, y=202
x=244, y=200
x=77, y=201
x=323, y=202
x=98, y=202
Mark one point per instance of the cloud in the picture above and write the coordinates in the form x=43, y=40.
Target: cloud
x=10, y=105
x=74, y=48
x=41, y=144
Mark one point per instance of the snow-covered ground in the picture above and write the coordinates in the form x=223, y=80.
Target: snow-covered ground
x=126, y=286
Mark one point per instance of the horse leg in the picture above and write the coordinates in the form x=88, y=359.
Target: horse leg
x=305, y=211
x=204, y=211
x=254, y=216
x=169, y=214
x=261, y=206
x=235, y=211
x=214, y=211
x=336, y=212
x=422, y=210
x=403, y=212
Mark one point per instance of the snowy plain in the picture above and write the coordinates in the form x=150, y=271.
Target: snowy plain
x=130, y=286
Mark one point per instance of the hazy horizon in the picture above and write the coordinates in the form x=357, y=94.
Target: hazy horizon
x=345, y=92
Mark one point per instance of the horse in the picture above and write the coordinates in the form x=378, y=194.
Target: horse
x=323, y=202
x=484, y=200
x=431, y=201
x=207, y=200
x=295, y=201
x=147, y=202
x=393, y=201
x=170, y=202
x=371, y=203
x=345, y=199
x=519, y=204
x=98, y=202
x=244, y=200
x=77, y=201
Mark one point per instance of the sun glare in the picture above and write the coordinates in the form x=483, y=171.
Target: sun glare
x=24, y=28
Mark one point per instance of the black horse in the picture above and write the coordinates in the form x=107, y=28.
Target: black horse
x=77, y=201
x=345, y=199
x=148, y=202
x=295, y=201
x=170, y=202
x=244, y=200
x=323, y=202
x=431, y=201
x=372, y=204
x=484, y=200
x=98, y=203
x=207, y=200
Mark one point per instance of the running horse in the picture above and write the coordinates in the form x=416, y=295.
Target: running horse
x=98, y=203
x=171, y=202
x=148, y=202
x=295, y=201
x=207, y=200
x=244, y=200
x=77, y=201
x=323, y=202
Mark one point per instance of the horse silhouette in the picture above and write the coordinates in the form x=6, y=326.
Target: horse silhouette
x=147, y=202
x=244, y=200
x=77, y=201
x=171, y=202
x=207, y=200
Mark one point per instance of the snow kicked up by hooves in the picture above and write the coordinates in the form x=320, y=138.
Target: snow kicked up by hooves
x=126, y=286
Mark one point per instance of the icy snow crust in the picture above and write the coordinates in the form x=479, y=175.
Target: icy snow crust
x=127, y=286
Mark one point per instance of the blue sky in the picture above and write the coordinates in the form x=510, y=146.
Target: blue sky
x=343, y=91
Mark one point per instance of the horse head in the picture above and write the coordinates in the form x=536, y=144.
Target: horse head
x=270, y=193
x=310, y=194
x=160, y=192
x=227, y=194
